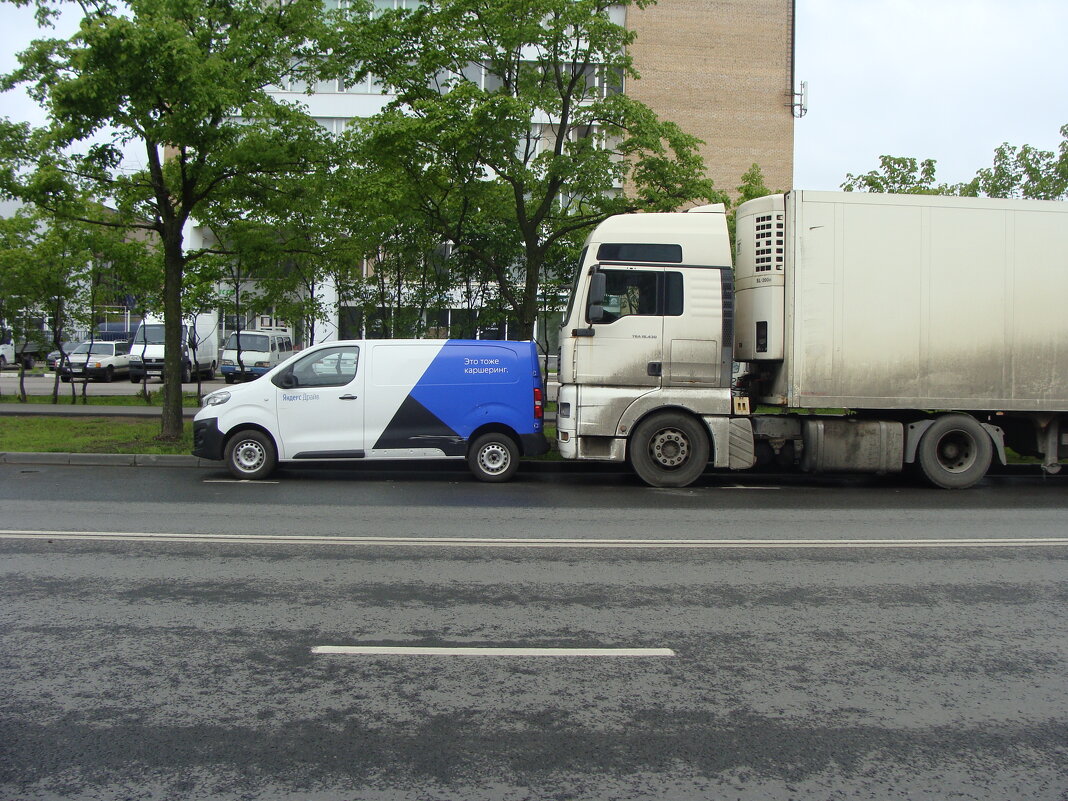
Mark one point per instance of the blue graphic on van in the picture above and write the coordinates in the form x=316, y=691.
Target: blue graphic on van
x=468, y=384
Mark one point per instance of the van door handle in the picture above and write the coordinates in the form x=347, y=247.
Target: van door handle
x=347, y=397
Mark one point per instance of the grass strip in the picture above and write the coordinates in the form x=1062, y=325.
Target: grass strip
x=88, y=435
x=155, y=399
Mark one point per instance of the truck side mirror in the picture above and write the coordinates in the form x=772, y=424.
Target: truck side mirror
x=595, y=306
x=598, y=284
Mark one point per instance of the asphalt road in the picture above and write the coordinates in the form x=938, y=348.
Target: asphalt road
x=788, y=638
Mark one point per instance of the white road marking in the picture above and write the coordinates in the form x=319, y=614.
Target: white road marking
x=534, y=542
x=393, y=650
x=237, y=481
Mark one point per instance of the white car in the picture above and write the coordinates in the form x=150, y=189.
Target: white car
x=99, y=360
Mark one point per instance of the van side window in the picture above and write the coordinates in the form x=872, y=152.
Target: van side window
x=329, y=367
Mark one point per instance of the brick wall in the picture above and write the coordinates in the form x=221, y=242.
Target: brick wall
x=721, y=69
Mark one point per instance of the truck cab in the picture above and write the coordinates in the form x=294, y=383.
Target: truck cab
x=647, y=340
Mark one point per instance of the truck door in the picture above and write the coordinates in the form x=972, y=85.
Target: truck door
x=320, y=405
x=623, y=344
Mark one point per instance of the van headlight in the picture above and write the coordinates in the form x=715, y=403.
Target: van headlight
x=216, y=398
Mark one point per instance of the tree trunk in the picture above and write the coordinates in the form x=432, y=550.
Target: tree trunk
x=172, y=424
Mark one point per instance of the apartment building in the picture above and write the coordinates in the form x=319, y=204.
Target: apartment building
x=724, y=71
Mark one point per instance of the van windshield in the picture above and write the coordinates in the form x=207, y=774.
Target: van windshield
x=244, y=341
x=149, y=334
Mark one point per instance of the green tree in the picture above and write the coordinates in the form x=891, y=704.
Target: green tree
x=512, y=137
x=900, y=175
x=57, y=273
x=187, y=82
x=1017, y=171
x=1026, y=172
x=751, y=187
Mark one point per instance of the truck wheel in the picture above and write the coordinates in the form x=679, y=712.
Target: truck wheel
x=669, y=450
x=3, y=362
x=955, y=452
x=493, y=457
x=250, y=454
x=28, y=361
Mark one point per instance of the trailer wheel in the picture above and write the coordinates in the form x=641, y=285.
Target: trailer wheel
x=493, y=457
x=250, y=454
x=669, y=450
x=955, y=452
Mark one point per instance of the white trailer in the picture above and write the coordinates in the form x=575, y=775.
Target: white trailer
x=909, y=330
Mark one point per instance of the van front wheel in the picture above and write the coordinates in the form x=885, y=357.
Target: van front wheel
x=250, y=455
x=493, y=457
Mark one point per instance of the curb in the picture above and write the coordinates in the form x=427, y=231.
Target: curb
x=180, y=460
x=107, y=459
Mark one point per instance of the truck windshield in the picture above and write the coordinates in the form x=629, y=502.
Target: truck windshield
x=239, y=341
x=149, y=335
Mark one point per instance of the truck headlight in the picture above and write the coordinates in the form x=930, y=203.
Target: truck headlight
x=216, y=398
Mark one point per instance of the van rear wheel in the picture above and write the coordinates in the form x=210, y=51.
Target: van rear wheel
x=493, y=457
x=250, y=454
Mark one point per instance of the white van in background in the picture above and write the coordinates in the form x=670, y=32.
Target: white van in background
x=200, y=348
x=250, y=354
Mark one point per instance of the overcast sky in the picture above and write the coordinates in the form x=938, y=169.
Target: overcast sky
x=942, y=79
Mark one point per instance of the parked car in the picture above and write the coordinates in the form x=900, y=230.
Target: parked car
x=99, y=360
x=53, y=357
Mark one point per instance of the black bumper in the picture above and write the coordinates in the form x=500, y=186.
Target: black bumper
x=208, y=441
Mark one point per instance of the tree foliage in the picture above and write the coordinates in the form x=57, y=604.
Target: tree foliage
x=187, y=83
x=1017, y=171
x=509, y=136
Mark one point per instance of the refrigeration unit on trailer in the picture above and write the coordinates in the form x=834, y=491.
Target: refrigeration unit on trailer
x=346, y=401
x=910, y=330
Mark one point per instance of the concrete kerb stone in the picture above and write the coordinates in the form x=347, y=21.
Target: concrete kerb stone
x=105, y=459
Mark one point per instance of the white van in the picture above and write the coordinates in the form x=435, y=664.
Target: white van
x=347, y=401
x=200, y=348
x=250, y=354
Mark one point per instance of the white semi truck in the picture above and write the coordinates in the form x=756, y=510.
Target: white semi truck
x=857, y=332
